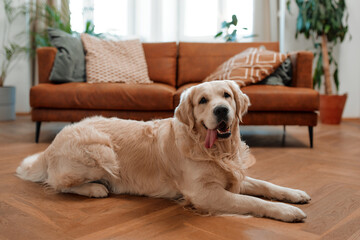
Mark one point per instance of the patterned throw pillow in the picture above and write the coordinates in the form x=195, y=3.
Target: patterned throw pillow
x=114, y=61
x=248, y=67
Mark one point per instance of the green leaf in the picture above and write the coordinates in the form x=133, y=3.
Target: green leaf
x=318, y=72
x=317, y=45
x=319, y=26
x=250, y=36
x=234, y=20
x=299, y=24
x=327, y=28
x=90, y=28
x=288, y=3
x=218, y=34
x=233, y=36
x=42, y=41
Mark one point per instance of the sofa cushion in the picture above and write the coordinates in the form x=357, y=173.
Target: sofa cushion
x=114, y=61
x=161, y=61
x=273, y=98
x=75, y=115
x=69, y=64
x=281, y=76
x=198, y=60
x=281, y=98
x=103, y=96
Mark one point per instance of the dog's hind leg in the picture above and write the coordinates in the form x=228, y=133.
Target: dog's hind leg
x=77, y=173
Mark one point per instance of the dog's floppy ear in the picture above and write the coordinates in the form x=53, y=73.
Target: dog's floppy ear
x=184, y=111
x=242, y=100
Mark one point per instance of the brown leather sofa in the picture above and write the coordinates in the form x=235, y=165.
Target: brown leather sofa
x=173, y=68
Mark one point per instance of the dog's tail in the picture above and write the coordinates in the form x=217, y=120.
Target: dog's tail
x=33, y=168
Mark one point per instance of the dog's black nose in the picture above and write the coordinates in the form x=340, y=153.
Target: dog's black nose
x=221, y=112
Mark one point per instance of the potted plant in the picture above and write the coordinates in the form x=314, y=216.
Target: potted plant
x=9, y=51
x=325, y=22
x=7, y=93
x=229, y=32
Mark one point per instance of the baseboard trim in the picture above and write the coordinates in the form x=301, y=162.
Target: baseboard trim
x=23, y=113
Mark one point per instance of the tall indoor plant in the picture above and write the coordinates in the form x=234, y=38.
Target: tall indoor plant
x=325, y=22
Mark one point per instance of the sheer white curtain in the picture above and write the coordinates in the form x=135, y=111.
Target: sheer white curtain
x=162, y=20
x=266, y=20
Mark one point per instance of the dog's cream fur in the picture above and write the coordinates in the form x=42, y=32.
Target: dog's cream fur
x=164, y=158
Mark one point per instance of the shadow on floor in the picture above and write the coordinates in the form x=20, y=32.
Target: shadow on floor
x=262, y=136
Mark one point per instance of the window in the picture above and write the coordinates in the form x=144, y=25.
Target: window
x=161, y=20
x=77, y=20
x=111, y=16
x=200, y=18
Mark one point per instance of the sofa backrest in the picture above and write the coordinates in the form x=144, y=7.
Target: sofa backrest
x=160, y=58
x=161, y=61
x=197, y=60
x=170, y=63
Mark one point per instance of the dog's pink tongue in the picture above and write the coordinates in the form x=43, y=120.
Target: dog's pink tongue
x=210, y=138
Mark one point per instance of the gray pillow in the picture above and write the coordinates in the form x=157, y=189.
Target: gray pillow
x=69, y=64
x=282, y=75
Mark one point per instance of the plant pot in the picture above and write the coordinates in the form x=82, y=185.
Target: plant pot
x=331, y=108
x=7, y=103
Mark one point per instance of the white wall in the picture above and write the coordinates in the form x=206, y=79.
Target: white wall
x=19, y=74
x=347, y=55
x=349, y=64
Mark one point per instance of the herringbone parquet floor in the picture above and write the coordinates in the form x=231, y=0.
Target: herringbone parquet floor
x=330, y=173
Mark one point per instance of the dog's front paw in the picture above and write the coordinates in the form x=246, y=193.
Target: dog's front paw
x=296, y=196
x=287, y=213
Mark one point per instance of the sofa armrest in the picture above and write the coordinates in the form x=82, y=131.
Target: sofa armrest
x=302, y=62
x=45, y=61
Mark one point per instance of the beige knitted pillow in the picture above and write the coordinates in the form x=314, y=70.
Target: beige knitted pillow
x=114, y=61
x=250, y=66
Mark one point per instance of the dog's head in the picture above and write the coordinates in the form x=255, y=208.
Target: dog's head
x=212, y=108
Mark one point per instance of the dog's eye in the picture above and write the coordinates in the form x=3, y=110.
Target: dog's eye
x=226, y=95
x=203, y=100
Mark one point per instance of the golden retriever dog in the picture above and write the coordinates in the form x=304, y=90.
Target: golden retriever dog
x=196, y=156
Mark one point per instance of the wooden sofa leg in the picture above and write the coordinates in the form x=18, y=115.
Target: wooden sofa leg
x=37, y=133
x=311, y=134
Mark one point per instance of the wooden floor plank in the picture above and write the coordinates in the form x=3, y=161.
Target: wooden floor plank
x=330, y=173
x=344, y=230
x=334, y=207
